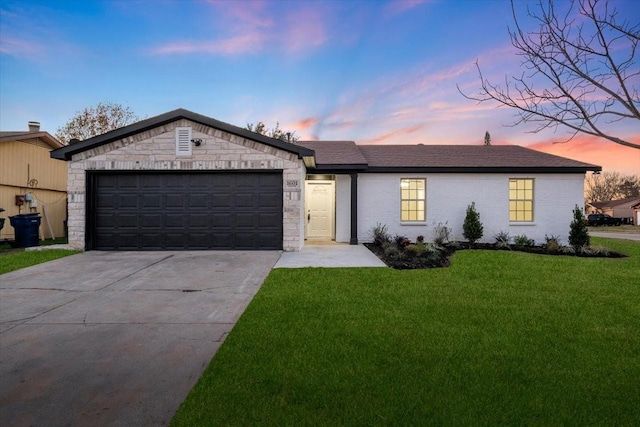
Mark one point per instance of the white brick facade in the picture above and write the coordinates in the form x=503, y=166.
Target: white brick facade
x=155, y=150
x=447, y=198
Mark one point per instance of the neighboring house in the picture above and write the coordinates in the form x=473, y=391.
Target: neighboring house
x=622, y=208
x=186, y=181
x=636, y=213
x=27, y=171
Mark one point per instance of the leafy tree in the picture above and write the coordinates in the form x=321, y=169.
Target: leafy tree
x=578, y=233
x=589, y=66
x=93, y=121
x=487, y=138
x=472, y=229
x=276, y=132
x=611, y=186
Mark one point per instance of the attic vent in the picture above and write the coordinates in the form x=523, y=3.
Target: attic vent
x=183, y=141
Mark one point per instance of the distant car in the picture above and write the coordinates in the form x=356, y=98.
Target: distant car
x=602, y=219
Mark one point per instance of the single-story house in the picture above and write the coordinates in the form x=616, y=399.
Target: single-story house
x=621, y=208
x=31, y=181
x=182, y=180
x=636, y=213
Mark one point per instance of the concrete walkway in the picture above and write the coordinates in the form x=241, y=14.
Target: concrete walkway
x=330, y=255
x=117, y=338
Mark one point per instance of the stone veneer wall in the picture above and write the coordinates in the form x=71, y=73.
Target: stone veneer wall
x=155, y=150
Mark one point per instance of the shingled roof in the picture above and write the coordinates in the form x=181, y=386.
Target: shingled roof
x=439, y=158
x=68, y=151
x=337, y=154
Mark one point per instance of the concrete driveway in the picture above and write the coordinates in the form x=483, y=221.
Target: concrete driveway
x=117, y=338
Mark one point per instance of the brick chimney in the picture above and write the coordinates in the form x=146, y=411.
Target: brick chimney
x=34, y=126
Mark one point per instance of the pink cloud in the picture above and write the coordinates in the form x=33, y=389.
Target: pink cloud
x=250, y=27
x=246, y=43
x=305, y=30
x=391, y=137
x=396, y=7
x=20, y=47
x=597, y=151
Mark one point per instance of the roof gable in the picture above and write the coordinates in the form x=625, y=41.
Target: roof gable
x=24, y=136
x=66, y=152
x=629, y=201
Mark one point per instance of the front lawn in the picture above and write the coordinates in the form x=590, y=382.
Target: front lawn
x=20, y=259
x=498, y=338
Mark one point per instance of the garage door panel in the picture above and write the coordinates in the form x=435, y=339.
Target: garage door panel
x=126, y=220
x=199, y=220
x=151, y=201
x=222, y=240
x=269, y=220
x=245, y=200
x=266, y=240
x=198, y=200
x=175, y=201
x=128, y=182
x=153, y=220
x=245, y=220
x=222, y=220
x=187, y=210
x=127, y=201
x=219, y=200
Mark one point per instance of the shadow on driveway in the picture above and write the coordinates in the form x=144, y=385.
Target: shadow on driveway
x=117, y=338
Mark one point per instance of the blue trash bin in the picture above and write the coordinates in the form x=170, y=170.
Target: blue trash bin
x=26, y=228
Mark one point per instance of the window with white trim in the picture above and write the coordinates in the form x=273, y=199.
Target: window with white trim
x=183, y=141
x=412, y=199
x=521, y=200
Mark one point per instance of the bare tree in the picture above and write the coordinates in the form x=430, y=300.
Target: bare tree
x=587, y=65
x=611, y=186
x=93, y=121
x=276, y=132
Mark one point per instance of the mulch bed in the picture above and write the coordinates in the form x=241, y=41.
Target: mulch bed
x=410, y=262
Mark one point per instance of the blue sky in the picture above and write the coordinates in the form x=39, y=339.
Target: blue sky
x=371, y=71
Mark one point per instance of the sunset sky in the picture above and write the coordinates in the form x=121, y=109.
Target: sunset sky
x=377, y=72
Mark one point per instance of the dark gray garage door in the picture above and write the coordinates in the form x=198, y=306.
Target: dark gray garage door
x=180, y=211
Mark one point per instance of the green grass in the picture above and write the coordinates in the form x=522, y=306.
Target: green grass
x=17, y=260
x=498, y=338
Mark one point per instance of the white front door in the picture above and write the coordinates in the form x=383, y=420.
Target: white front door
x=319, y=203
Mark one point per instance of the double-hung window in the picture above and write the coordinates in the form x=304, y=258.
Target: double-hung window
x=521, y=200
x=412, y=199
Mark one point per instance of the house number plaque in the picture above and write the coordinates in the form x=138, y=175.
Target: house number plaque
x=292, y=183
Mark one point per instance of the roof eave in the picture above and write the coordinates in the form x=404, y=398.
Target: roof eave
x=483, y=169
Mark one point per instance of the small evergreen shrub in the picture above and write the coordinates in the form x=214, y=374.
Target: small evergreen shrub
x=502, y=240
x=472, y=229
x=578, y=233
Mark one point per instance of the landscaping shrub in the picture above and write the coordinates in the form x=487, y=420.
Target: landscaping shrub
x=552, y=243
x=502, y=240
x=401, y=241
x=523, y=240
x=392, y=251
x=380, y=235
x=578, y=233
x=441, y=234
x=472, y=229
